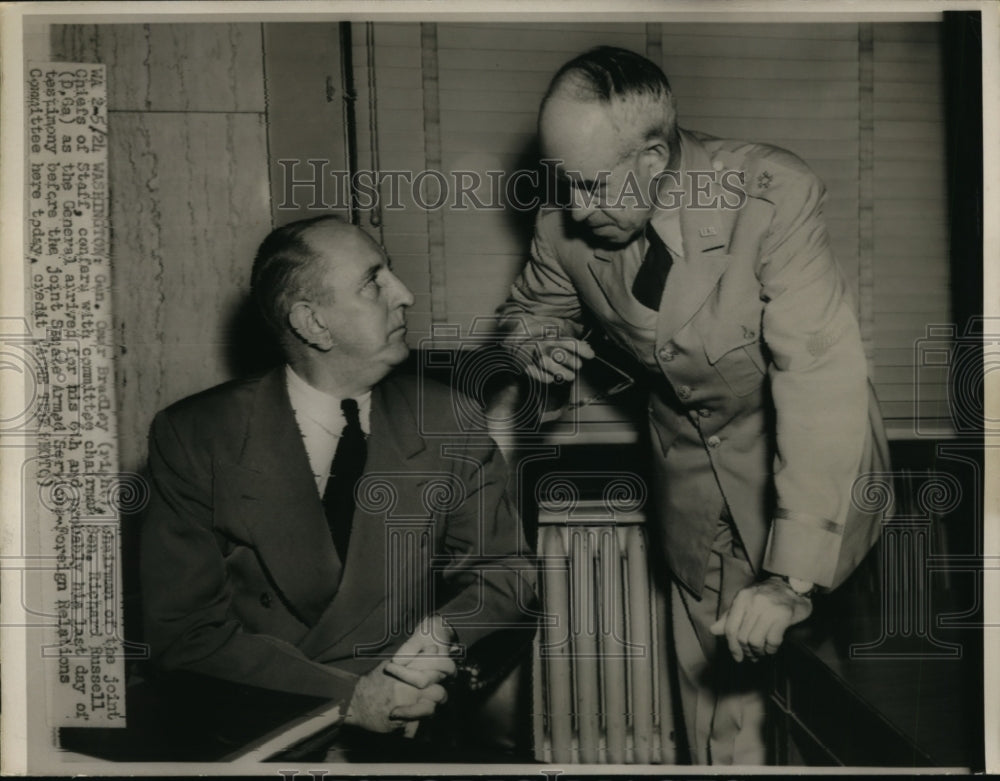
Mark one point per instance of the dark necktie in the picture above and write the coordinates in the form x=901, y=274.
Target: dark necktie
x=652, y=275
x=345, y=471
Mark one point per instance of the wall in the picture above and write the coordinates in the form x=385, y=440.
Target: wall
x=189, y=202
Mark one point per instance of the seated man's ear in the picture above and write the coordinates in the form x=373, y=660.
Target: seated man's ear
x=309, y=326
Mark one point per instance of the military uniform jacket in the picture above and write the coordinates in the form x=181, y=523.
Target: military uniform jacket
x=771, y=412
x=240, y=577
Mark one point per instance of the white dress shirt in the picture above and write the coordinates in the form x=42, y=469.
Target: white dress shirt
x=320, y=422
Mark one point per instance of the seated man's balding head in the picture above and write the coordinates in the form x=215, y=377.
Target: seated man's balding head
x=326, y=289
x=289, y=262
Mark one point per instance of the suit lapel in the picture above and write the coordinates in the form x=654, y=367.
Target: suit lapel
x=273, y=488
x=394, y=441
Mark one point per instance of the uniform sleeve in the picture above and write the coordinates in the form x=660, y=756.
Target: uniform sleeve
x=542, y=297
x=818, y=375
x=489, y=570
x=188, y=620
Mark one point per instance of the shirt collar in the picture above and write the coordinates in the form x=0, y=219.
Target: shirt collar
x=322, y=408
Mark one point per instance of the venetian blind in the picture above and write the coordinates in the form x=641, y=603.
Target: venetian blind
x=911, y=263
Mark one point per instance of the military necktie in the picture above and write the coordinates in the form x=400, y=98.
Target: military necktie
x=647, y=287
x=345, y=471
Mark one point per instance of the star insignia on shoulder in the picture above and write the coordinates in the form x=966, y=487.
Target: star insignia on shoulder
x=764, y=180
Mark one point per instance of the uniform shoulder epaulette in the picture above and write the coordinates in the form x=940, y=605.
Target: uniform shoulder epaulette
x=771, y=169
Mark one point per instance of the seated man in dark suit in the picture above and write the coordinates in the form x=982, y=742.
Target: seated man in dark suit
x=318, y=530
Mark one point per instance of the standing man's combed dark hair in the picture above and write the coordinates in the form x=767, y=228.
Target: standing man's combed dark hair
x=608, y=72
x=636, y=87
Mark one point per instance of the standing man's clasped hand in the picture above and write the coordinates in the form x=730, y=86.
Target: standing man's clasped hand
x=550, y=360
x=399, y=693
x=755, y=624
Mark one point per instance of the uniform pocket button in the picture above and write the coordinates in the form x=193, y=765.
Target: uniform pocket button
x=705, y=413
x=684, y=392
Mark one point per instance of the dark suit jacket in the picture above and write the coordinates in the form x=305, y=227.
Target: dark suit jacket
x=772, y=413
x=240, y=577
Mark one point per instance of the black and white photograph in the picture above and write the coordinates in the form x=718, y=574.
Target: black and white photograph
x=414, y=389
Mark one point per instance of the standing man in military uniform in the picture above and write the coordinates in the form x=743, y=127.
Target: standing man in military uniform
x=709, y=261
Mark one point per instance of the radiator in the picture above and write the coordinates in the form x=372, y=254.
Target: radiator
x=601, y=687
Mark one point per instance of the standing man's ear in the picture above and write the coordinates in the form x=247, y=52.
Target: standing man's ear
x=655, y=156
x=309, y=325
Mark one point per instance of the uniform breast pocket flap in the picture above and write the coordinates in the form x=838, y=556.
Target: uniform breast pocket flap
x=734, y=350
